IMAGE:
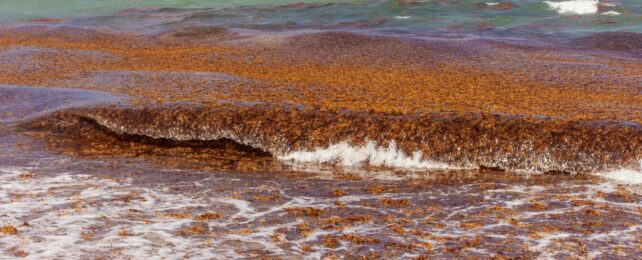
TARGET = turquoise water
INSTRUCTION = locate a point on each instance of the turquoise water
(29, 9)
(525, 15)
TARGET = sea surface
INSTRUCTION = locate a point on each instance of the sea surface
(407, 129)
(499, 17)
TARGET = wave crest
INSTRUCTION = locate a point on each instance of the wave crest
(580, 7)
(369, 153)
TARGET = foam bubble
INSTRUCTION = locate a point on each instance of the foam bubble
(347, 155)
(580, 7)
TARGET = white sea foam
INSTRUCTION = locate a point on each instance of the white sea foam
(625, 176)
(57, 229)
(611, 13)
(580, 7)
(402, 17)
(61, 209)
(348, 155)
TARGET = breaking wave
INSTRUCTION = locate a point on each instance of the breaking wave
(352, 138)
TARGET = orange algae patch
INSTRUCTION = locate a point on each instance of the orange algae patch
(398, 246)
(376, 189)
(178, 215)
(26, 175)
(132, 196)
(18, 252)
(124, 232)
(307, 212)
(470, 225)
(8, 230)
(335, 220)
(340, 223)
(359, 240)
(394, 202)
(592, 212)
(87, 235)
(244, 231)
(337, 193)
(540, 231)
(471, 242)
(304, 229)
(208, 216)
(498, 211)
(265, 198)
(276, 237)
(397, 229)
(195, 229)
(538, 206)
(330, 241)
(515, 223)
(306, 248)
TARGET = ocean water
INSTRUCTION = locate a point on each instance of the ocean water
(493, 17)
(320, 129)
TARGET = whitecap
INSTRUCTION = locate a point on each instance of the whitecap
(611, 13)
(580, 7)
(625, 176)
